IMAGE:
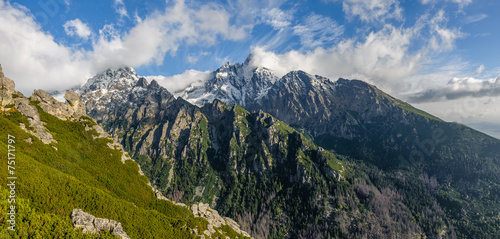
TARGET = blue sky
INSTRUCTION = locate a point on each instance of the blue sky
(440, 55)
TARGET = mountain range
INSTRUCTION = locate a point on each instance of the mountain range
(246, 153)
(303, 156)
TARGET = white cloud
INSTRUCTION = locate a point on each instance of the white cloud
(317, 30)
(35, 60)
(461, 3)
(382, 58)
(443, 39)
(32, 58)
(277, 18)
(120, 8)
(480, 69)
(464, 110)
(159, 33)
(67, 3)
(194, 58)
(475, 18)
(77, 28)
(373, 10)
(460, 88)
(181, 81)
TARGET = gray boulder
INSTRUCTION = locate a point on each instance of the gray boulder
(91, 224)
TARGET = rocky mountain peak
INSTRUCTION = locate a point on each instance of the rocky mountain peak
(142, 82)
(154, 85)
(112, 79)
(232, 84)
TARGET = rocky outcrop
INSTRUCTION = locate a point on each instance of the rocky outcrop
(6, 89)
(75, 102)
(91, 224)
(36, 126)
(73, 110)
(214, 219)
(48, 104)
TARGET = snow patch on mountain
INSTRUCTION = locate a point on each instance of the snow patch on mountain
(111, 79)
(232, 83)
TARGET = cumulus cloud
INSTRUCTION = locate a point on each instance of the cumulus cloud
(34, 59)
(181, 81)
(382, 57)
(317, 30)
(31, 57)
(165, 32)
(459, 88)
(77, 28)
(373, 10)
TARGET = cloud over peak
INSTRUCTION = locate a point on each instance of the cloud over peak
(459, 88)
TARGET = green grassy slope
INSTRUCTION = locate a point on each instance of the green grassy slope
(81, 173)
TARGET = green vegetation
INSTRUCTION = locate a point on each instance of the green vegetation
(410, 108)
(34, 224)
(82, 173)
(276, 182)
(405, 106)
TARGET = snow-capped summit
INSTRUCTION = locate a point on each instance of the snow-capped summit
(232, 84)
(111, 79)
(121, 90)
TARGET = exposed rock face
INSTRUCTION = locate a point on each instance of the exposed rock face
(214, 219)
(6, 89)
(74, 110)
(30, 111)
(91, 224)
(51, 106)
(75, 102)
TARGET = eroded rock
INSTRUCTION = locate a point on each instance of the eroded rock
(36, 126)
(74, 110)
(214, 219)
(6, 89)
(91, 224)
